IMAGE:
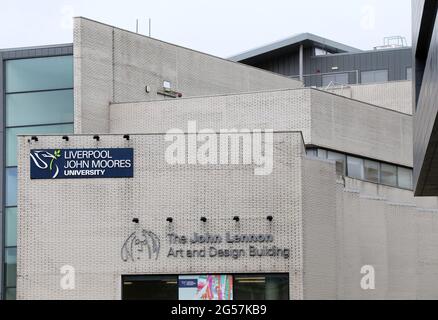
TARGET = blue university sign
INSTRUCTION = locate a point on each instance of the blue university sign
(81, 163)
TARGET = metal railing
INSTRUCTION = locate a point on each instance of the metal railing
(316, 79)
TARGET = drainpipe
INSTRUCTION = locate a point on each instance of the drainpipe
(302, 63)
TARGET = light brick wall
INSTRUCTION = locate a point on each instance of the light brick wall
(361, 129)
(392, 231)
(332, 229)
(114, 65)
(326, 120)
(319, 230)
(394, 95)
(84, 222)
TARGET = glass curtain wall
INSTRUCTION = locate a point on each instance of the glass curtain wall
(38, 100)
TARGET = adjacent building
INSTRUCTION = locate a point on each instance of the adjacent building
(194, 177)
(425, 98)
(381, 76)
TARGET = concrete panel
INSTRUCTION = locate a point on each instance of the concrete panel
(395, 96)
(319, 230)
(89, 219)
(361, 129)
(325, 119)
(113, 65)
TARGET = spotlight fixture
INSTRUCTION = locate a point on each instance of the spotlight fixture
(65, 138)
(170, 220)
(204, 219)
(236, 218)
(126, 137)
(97, 138)
(270, 218)
(34, 138)
(135, 220)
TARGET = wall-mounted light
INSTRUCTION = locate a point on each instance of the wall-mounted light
(204, 219)
(135, 220)
(97, 138)
(236, 218)
(270, 218)
(167, 86)
(170, 220)
(65, 138)
(147, 89)
(34, 138)
(126, 137)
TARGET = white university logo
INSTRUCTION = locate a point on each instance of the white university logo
(44, 160)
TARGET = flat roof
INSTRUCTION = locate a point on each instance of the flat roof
(38, 47)
(293, 41)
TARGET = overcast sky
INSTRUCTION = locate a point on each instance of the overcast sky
(219, 27)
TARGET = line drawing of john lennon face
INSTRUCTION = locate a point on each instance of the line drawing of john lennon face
(137, 246)
(44, 160)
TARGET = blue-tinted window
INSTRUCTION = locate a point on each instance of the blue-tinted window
(33, 108)
(39, 74)
(11, 267)
(11, 187)
(11, 138)
(11, 227)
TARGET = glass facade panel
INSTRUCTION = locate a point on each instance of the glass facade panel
(322, 153)
(261, 287)
(11, 267)
(11, 227)
(34, 108)
(11, 294)
(312, 152)
(375, 76)
(388, 174)
(371, 171)
(11, 138)
(404, 178)
(24, 75)
(11, 187)
(355, 167)
(338, 157)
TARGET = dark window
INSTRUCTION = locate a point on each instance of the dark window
(205, 287)
(261, 287)
(150, 288)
